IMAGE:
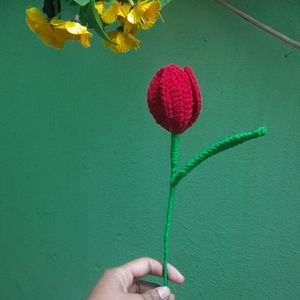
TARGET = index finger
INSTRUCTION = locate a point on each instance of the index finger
(148, 266)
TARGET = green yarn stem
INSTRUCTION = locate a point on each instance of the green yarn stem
(175, 141)
(216, 148)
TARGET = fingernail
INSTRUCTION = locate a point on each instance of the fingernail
(180, 275)
(164, 292)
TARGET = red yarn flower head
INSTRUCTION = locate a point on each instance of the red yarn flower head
(174, 98)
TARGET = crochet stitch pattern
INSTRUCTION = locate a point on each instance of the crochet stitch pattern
(174, 98)
(175, 101)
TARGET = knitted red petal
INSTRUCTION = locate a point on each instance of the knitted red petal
(174, 98)
(196, 95)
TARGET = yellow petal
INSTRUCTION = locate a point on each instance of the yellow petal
(35, 19)
(126, 8)
(130, 28)
(144, 14)
(56, 32)
(127, 26)
(62, 35)
(100, 7)
(110, 15)
(85, 42)
(77, 28)
(70, 30)
(137, 12)
(124, 11)
(50, 40)
(42, 27)
(151, 15)
(35, 16)
(122, 42)
(58, 23)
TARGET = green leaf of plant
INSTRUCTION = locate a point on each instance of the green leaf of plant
(71, 2)
(82, 2)
(89, 16)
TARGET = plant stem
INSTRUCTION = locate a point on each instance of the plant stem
(175, 141)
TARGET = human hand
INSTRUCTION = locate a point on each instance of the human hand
(124, 282)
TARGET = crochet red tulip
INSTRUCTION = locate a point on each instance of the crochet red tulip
(174, 98)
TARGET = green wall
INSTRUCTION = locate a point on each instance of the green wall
(84, 169)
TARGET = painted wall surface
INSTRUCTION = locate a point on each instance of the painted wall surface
(84, 169)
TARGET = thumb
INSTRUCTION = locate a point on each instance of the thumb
(160, 293)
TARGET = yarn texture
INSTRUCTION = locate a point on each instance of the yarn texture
(214, 149)
(174, 98)
(175, 140)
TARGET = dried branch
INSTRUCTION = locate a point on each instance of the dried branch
(261, 25)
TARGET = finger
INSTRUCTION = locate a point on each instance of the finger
(148, 266)
(142, 286)
(160, 293)
(172, 297)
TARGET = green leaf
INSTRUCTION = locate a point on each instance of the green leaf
(71, 2)
(216, 148)
(89, 16)
(82, 2)
(164, 2)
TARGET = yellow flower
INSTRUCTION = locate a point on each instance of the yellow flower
(121, 41)
(116, 10)
(56, 32)
(38, 24)
(144, 13)
(72, 31)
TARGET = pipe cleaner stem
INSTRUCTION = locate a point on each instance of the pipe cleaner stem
(216, 148)
(175, 141)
